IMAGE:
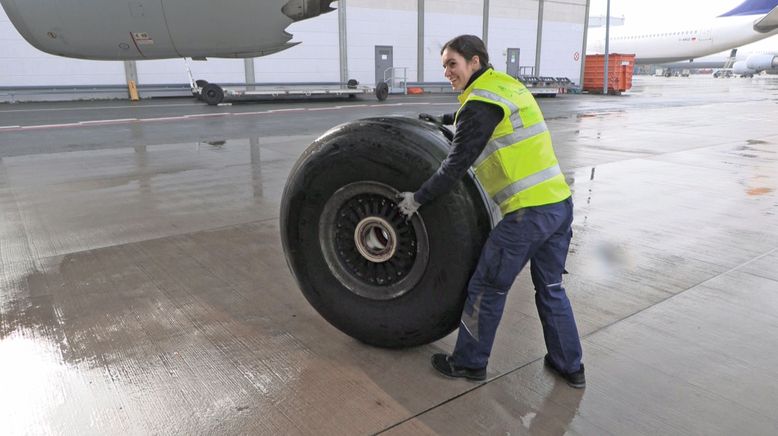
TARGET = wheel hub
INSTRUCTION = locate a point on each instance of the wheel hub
(369, 245)
(375, 239)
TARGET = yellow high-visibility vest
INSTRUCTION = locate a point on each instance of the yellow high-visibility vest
(518, 167)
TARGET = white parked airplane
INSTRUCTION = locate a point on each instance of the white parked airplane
(761, 56)
(751, 21)
(159, 29)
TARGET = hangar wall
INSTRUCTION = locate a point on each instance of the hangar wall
(23, 65)
(512, 24)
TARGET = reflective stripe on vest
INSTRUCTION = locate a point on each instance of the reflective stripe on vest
(531, 180)
(520, 134)
(515, 117)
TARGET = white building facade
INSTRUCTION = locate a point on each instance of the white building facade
(411, 32)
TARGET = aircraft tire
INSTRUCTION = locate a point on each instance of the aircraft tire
(212, 94)
(381, 279)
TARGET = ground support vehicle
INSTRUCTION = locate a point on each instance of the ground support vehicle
(214, 94)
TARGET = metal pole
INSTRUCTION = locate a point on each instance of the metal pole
(420, 42)
(343, 41)
(539, 43)
(130, 71)
(607, 48)
(131, 76)
(583, 48)
(485, 31)
(251, 80)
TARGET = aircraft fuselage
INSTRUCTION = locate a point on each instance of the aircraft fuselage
(159, 29)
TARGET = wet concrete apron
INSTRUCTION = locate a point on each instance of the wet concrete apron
(143, 288)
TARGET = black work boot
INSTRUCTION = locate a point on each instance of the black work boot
(441, 363)
(574, 379)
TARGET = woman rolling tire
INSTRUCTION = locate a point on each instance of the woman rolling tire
(371, 274)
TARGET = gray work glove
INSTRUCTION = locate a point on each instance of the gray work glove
(431, 118)
(407, 205)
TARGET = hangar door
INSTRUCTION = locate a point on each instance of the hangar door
(513, 62)
(383, 61)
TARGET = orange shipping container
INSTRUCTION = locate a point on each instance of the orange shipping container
(620, 67)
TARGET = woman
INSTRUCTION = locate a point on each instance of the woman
(500, 132)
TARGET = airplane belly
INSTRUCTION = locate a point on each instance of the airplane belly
(93, 29)
(227, 28)
(158, 29)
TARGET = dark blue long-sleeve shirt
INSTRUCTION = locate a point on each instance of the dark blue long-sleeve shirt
(475, 125)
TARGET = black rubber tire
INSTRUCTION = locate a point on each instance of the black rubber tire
(398, 154)
(352, 83)
(212, 94)
(201, 83)
(382, 91)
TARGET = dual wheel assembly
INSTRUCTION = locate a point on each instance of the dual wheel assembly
(381, 278)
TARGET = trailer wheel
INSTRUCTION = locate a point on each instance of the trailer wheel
(352, 84)
(382, 91)
(212, 94)
(375, 276)
(201, 83)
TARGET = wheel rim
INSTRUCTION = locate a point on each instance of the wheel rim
(368, 244)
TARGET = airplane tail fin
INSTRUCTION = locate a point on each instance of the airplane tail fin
(752, 7)
(768, 23)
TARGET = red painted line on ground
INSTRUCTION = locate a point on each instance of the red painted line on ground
(196, 116)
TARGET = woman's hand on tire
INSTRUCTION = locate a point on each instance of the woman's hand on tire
(408, 204)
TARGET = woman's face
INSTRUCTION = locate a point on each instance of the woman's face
(456, 69)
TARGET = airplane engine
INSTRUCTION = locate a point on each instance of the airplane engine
(762, 62)
(740, 68)
(158, 29)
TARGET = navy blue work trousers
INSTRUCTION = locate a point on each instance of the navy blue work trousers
(540, 235)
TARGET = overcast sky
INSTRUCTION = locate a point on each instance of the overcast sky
(642, 13)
